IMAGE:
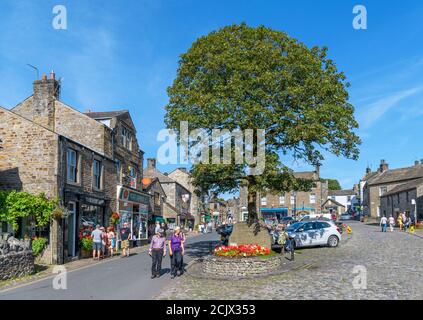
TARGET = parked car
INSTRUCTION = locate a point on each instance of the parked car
(314, 233)
(345, 216)
(286, 220)
(327, 216)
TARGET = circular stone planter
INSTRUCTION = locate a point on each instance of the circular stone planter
(225, 267)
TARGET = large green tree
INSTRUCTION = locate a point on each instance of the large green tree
(241, 77)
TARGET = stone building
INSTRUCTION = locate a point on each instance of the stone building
(348, 199)
(132, 203)
(383, 181)
(50, 147)
(406, 197)
(158, 199)
(218, 209)
(290, 203)
(182, 176)
(177, 207)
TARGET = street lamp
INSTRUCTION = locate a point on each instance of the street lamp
(414, 202)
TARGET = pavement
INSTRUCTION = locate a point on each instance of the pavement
(370, 265)
(115, 278)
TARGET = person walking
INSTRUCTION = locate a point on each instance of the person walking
(176, 252)
(383, 223)
(104, 242)
(164, 228)
(399, 222)
(157, 251)
(391, 223)
(112, 240)
(404, 221)
(125, 234)
(97, 238)
(157, 227)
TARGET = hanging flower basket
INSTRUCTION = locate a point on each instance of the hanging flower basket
(60, 213)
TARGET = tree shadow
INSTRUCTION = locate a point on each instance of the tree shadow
(200, 249)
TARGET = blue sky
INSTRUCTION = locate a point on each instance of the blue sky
(124, 54)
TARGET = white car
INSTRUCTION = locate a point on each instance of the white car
(315, 216)
(314, 233)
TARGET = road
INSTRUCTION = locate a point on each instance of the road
(126, 278)
(384, 265)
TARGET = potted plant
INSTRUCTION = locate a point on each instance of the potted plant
(59, 213)
(86, 243)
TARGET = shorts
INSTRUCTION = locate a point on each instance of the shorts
(125, 244)
(97, 246)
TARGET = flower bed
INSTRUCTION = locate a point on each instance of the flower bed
(242, 250)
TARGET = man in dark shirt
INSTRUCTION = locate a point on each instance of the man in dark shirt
(125, 234)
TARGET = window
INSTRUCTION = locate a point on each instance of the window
(126, 138)
(322, 225)
(281, 199)
(407, 196)
(133, 177)
(292, 199)
(96, 174)
(4, 227)
(349, 198)
(119, 171)
(398, 198)
(263, 201)
(157, 198)
(333, 197)
(382, 191)
(72, 166)
(312, 198)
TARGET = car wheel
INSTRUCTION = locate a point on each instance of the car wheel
(333, 241)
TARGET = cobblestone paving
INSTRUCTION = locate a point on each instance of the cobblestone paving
(394, 263)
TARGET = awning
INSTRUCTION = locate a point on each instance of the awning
(158, 218)
(265, 210)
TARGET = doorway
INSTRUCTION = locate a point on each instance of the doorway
(72, 229)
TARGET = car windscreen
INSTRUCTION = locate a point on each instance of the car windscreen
(294, 226)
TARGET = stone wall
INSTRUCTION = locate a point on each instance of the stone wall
(16, 259)
(28, 158)
(15, 265)
(240, 267)
(79, 127)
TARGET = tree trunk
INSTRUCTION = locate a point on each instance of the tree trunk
(252, 202)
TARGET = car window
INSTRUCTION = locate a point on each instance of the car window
(309, 226)
(294, 226)
(322, 225)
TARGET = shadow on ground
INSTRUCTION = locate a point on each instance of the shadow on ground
(200, 249)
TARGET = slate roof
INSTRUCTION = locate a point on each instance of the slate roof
(334, 202)
(107, 114)
(309, 175)
(400, 174)
(404, 187)
(151, 173)
(341, 192)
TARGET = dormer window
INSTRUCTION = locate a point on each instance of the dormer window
(126, 138)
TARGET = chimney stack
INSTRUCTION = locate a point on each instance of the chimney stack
(45, 92)
(383, 166)
(416, 163)
(52, 75)
(151, 164)
(368, 170)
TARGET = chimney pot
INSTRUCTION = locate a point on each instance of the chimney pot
(44, 77)
(52, 75)
(151, 163)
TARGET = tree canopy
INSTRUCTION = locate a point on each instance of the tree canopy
(240, 77)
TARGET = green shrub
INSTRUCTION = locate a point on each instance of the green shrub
(38, 245)
(87, 243)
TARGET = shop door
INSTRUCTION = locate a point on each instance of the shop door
(72, 229)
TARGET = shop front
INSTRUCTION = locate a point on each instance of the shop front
(133, 209)
(84, 213)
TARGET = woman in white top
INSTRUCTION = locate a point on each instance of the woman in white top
(391, 223)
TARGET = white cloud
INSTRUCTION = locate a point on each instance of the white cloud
(373, 112)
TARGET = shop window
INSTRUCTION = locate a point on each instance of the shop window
(97, 174)
(72, 166)
(133, 177)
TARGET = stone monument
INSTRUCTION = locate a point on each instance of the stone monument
(254, 234)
